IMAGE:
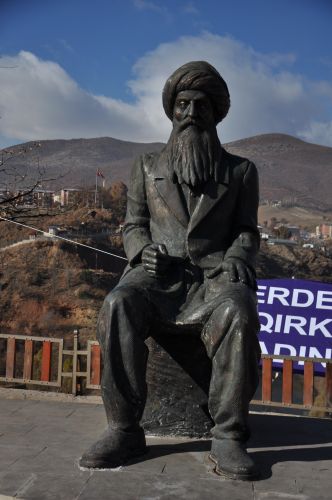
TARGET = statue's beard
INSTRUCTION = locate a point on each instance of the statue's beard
(193, 155)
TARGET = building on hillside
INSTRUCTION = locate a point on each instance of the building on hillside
(294, 231)
(264, 232)
(324, 230)
(54, 231)
(69, 196)
(34, 198)
(43, 198)
(305, 235)
(287, 231)
(4, 194)
(72, 196)
(281, 241)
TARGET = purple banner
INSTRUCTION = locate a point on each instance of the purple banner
(296, 319)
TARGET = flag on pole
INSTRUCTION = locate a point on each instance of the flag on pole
(99, 173)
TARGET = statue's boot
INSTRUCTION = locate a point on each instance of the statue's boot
(114, 448)
(232, 460)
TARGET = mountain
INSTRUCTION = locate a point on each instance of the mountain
(290, 170)
(74, 162)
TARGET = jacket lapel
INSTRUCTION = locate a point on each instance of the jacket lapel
(169, 192)
(213, 193)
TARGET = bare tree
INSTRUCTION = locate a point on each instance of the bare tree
(21, 174)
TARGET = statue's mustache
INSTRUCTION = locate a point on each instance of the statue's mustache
(187, 122)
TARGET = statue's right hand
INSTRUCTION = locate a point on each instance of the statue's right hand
(155, 260)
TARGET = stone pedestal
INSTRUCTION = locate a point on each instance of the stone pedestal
(178, 377)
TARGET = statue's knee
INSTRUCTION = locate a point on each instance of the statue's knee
(111, 304)
(117, 297)
(120, 304)
(239, 312)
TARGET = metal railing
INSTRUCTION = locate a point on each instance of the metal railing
(51, 370)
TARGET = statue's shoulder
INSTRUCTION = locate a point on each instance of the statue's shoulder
(149, 160)
(235, 160)
(238, 164)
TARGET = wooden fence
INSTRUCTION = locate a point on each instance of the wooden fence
(51, 354)
(50, 370)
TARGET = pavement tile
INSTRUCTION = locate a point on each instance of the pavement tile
(316, 485)
(11, 482)
(55, 486)
(123, 484)
(147, 464)
(46, 461)
(11, 406)
(183, 464)
(275, 495)
(16, 428)
(10, 454)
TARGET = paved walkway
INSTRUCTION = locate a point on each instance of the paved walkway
(40, 442)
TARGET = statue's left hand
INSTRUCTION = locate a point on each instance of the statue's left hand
(237, 270)
(155, 260)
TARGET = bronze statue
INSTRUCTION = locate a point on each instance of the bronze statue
(191, 239)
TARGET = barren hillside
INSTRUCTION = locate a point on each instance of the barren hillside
(290, 169)
(50, 288)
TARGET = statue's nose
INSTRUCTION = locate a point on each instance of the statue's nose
(192, 109)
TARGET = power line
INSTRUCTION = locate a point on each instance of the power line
(73, 242)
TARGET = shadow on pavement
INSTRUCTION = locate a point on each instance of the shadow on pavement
(266, 459)
(268, 431)
(277, 430)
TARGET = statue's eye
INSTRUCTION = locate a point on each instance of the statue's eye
(182, 104)
(203, 105)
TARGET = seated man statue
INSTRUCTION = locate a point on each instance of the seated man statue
(191, 239)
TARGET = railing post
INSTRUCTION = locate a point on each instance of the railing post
(287, 382)
(328, 385)
(46, 361)
(266, 380)
(28, 359)
(308, 383)
(95, 364)
(10, 357)
(75, 349)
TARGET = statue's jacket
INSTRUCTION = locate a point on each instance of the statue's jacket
(223, 225)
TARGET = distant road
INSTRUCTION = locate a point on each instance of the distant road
(23, 242)
(39, 238)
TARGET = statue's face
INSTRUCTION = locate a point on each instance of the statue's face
(193, 107)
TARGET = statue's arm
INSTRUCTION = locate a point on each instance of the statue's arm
(136, 232)
(246, 240)
(239, 259)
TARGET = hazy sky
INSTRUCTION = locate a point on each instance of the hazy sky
(90, 68)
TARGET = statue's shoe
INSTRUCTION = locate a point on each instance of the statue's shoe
(113, 449)
(232, 460)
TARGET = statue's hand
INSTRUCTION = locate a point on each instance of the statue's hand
(237, 271)
(155, 260)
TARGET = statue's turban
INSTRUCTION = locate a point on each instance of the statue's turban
(197, 75)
